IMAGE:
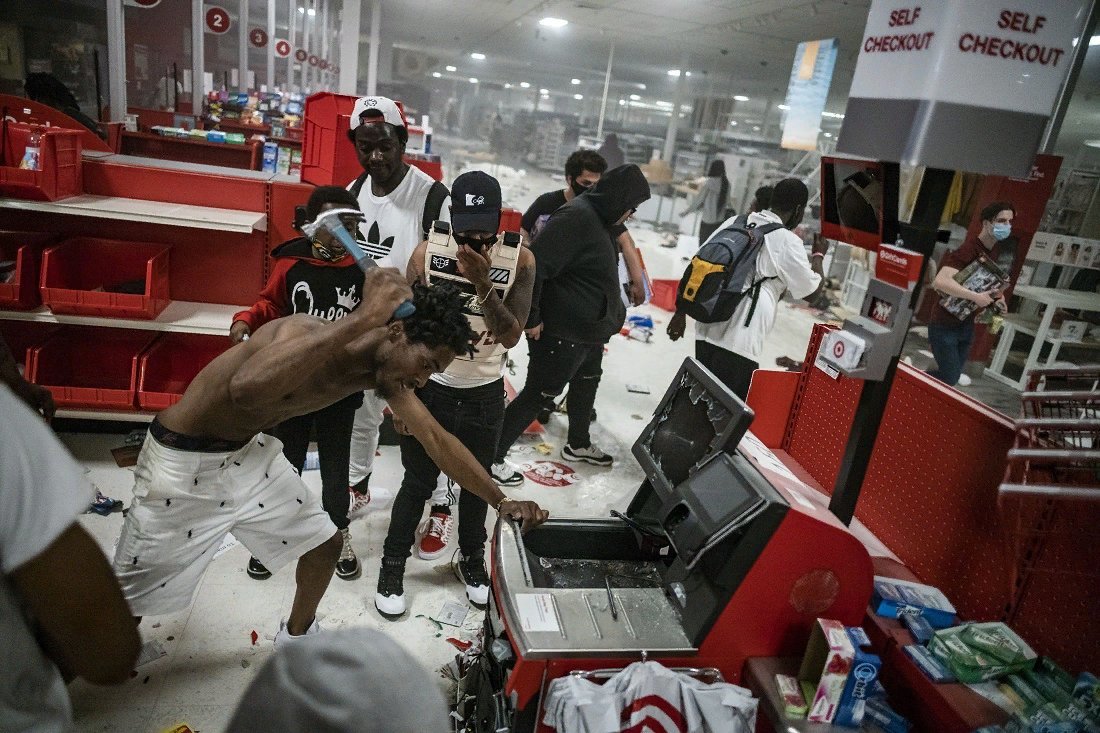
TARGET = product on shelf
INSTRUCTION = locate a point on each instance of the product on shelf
(892, 595)
(861, 679)
(794, 702)
(971, 663)
(824, 669)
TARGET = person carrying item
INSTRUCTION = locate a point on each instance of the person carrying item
(949, 336)
(207, 468)
(399, 202)
(712, 200)
(578, 311)
(731, 348)
(496, 278)
(63, 613)
(320, 278)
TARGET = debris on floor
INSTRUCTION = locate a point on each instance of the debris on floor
(150, 652)
(452, 613)
(637, 388)
(255, 637)
(544, 448)
(104, 505)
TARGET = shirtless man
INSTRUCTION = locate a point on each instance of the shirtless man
(208, 469)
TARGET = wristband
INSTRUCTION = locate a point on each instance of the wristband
(497, 507)
(817, 254)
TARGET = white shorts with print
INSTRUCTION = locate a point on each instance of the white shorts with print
(186, 502)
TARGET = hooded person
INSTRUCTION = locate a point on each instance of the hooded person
(575, 310)
(350, 680)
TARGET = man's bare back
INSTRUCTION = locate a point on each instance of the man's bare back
(289, 367)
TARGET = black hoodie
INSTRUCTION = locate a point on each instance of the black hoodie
(577, 265)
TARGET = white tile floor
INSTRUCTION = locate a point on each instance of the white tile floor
(210, 653)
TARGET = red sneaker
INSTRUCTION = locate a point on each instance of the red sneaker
(359, 504)
(434, 542)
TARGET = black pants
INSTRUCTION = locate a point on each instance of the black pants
(472, 415)
(333, 428)
(555, 363)
(733, 370)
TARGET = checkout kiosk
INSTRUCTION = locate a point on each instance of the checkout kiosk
(719, 557)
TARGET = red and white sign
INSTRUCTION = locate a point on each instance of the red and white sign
(838, 349)
(897, 266)
(282, 48)
(141, 3)
(313, 60)
(217, 20)
(300, 54)
(257, 37)
(549, 473)
(323, 64)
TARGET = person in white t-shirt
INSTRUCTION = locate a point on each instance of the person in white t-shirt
(731, 349)
(62, 613)
(399, 203)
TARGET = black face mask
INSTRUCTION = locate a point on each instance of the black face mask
(475, 244)
(578, 188)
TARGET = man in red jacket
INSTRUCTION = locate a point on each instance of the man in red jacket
(320, 278)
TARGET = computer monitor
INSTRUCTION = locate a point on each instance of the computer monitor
(859, 201)
(697, 417)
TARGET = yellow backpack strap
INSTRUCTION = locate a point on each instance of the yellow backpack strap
(699, 270)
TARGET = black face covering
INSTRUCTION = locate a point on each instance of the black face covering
(475, 244)
(578, 188)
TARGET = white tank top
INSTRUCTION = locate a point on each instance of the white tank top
(441, 264)
(393, 226)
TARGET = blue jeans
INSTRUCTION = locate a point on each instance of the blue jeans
(474, 416)
(950, 345)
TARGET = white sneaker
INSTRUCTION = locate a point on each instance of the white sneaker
(390, 596)
(964, 381)
(505, 475)
(359, 504)
(472, 572)
(284, 637)
(591, 454)
(436, 537)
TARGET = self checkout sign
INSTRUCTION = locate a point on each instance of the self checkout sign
(282, 48)
(959, 85)
(217, 20)
(258, 37)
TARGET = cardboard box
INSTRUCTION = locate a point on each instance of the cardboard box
(890, 595)
(861, 680)
(825, 668)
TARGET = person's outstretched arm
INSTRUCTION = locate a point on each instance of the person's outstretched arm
(456, 461)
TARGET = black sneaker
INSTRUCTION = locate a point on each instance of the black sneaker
(256, 570)
(472, 571)
(347, 567)
(390, 597)
(589, 454)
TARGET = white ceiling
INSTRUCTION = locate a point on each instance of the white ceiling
(732, 46)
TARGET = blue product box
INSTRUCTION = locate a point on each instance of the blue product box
(215, 136)
(861, 681)
(932, 668)
(271, 157)
(885, 717)
(891, 595)
(918, 626)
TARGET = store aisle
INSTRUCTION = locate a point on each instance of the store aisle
(211, 652)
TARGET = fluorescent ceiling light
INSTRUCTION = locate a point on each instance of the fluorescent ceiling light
(733, 122)
(667, 105)
(452, 68)
(311, 12)
(525, 85)
(676, 72)
(473, 80)
(740, 98)
(575, 82)
(756, 128)
(507, 86)
(477, 55)
(642, 87)
(436, 74)
(553, 22)
(578, 97)
(302, 11)
(833, 115)
(544, 91)
(622, 102)
(635, 97)
(783, 106)
(828, 134)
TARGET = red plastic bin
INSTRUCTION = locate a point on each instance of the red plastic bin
(92, 368)
(77, 273)
(23, 336)
(664, 294)
(20, 292)
(169, 365)
(60, 173)
(328, 156)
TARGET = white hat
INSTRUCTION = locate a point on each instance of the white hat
(391, 113)
(349, 680)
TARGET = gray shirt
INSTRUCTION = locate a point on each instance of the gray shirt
(708, 200)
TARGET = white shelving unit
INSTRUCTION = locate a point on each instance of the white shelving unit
(180, 316)
(152, 212)
(120, 415)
